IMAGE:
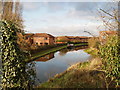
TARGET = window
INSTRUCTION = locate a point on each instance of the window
(46, 43)
(41, 43)
(46, 38)
(36, 43)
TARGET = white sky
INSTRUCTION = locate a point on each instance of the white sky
(63, 18)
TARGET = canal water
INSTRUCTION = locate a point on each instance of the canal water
(55, 63)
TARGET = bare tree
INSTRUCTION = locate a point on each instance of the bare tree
(12, 11)
(110, 18)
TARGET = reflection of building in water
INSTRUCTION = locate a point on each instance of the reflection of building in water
(81, 47)
(46, 57)
(64, 51)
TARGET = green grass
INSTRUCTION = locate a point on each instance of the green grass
(45, 52)
(92, 51)
(80, 75)
(80, 44)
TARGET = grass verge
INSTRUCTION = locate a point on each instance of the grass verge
(92, 51)
(48, 51)
(45, 52)
(80, 75)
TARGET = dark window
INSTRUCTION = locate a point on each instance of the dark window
(36, 43)
(46, 43)
(46, 38)
(41, 43)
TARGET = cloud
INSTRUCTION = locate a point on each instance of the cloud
(68, 0)
(64, 20)
(30, 6)
(71, 30)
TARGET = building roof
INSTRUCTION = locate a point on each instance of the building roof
(72, 37)
(43, 35)
(108, 32)
(29, 34)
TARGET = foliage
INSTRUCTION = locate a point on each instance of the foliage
(80, 75)
(12, 11)
(93, 42)
(109, 52)
(13, 64)
(92, 51)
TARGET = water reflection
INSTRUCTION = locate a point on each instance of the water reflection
(61, 53)
(46, 57)
(64, 51)
(58, 62)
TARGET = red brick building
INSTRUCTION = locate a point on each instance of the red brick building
(42, 39)
(71, 39)
(104, 34)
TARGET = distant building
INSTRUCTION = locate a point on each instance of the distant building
(78, 39)
(104, 34)
(64, 39)
(42, 39)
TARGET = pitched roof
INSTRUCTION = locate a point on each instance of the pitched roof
(29, 34)
(43, 35)
(109, 32)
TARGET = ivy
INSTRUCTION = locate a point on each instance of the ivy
(109, 52)
(13, 59)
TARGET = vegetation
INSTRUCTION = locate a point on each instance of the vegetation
(14, 74)
(101, 72)
(92, 51)
(105, 72)
(109, 53)
(98, 73)
(44, 52)
(13, 63)
(80, 44)
(93, 42)
(80, 75)
(46, 47)
(109, 48)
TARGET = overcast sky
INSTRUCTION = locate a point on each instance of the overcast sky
(63, 18)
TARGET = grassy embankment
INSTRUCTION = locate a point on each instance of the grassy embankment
(45, 52)
(92, 51)
(81, 75)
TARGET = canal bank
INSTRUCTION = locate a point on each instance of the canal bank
(81, 75)
(51, 50)
(72, 68)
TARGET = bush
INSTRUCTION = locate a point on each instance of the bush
(111, 58)
(13, 64)
(93, 42)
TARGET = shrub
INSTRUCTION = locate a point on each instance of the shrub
(13, 64)
(109, 52)
(93, 42)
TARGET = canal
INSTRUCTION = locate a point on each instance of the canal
(55, 63)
